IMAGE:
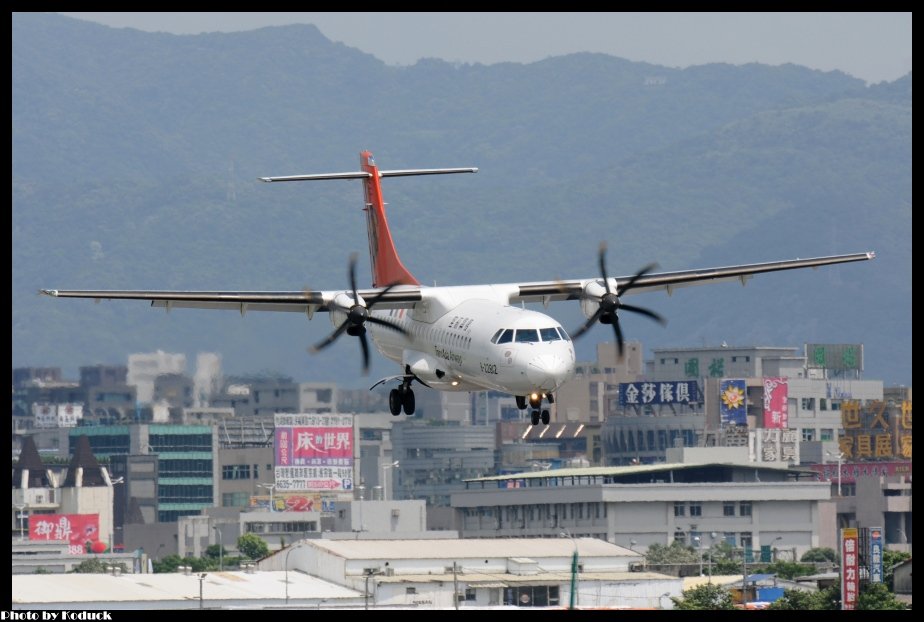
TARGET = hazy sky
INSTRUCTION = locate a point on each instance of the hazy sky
(872, 46)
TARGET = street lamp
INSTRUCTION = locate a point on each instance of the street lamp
(385, 467)
(699, 547)
(840, 460)
(201, 579)
(286, 564)
(362, 496)
(221, 547)
(773, 548)
(114, 483)
(370, 572)
(573, 602)
(21, 507)
(271, 488)
(712, 535)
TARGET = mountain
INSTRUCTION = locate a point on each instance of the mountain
(135, 157)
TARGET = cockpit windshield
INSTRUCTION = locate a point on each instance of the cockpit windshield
(530, 335)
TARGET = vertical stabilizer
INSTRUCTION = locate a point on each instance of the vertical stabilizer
(386, 265)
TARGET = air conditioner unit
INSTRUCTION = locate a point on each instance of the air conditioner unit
(395, 513)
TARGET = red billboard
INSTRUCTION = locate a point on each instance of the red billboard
(314, 452)
(76, 529)
(850, 568)
(776, 397)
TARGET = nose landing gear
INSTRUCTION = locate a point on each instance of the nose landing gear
(535, 402)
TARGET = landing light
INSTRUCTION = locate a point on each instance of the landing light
(454, 383)
(534, 396)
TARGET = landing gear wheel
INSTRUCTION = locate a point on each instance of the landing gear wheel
(545, 417)
(394, 402)
(408, 402)
(535, 417)
(521, 402)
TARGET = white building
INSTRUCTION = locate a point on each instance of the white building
(747, 505)
(515, 572)
(145, 367)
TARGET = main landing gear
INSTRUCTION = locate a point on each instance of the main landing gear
(402, 398)
(535, 402)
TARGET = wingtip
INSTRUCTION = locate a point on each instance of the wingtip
(871, 254)
(49, 292)
(265, 179)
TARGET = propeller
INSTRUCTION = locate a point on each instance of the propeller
(609, 303)
(357, 314)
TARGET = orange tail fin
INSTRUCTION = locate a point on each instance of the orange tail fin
(387, 268)
(386, 265)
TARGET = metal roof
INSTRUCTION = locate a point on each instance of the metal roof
(172, 587)
(484, 548)
(503, 579)
(615, 471)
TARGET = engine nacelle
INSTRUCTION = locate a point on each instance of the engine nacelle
(593, 291)
(342, 300)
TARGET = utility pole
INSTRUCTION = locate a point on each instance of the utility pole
(455, 586)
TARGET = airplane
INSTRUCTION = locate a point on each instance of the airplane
(457, 338)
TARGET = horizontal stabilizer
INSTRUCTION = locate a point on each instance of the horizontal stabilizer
(364, 175)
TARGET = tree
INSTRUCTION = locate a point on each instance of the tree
(705, 596)
(95, 566)
(786, 569)
(170, 563)
(676, 553)
(878, 596)
(890, 559)
(795, 600)
(252, 546)
(216, 551)
(819, 554)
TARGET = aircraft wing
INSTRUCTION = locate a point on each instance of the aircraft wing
(404, 296)
(546, 291)
(298, 301)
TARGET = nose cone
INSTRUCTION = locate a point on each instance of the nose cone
(548, 372)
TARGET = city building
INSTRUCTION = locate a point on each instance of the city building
(187, 468)
(479, 573)
(747, 505)
(435, 459)
(144, 368)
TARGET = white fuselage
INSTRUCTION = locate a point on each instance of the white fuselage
(469, 339)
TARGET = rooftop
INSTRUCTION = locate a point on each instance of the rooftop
(474, 548)
(168, 589)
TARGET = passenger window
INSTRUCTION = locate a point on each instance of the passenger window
(549, 334)
(527, 335)
(506, 337)
(496, 335)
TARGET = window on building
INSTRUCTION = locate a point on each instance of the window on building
(410, 591)
(680, 509)
(730, 538)
(235, 471)
(822, 404)
(747, 540)
(744, 508)
(728, 508)
(827, 434)
(808, 403)
(808, 434)
(469, 593)
(696, 509)
(680, 537)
